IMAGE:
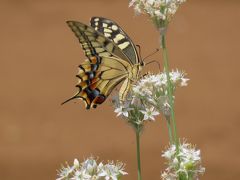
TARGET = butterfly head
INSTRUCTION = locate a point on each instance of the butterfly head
(141, 60)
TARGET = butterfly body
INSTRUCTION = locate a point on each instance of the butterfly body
(111, 59)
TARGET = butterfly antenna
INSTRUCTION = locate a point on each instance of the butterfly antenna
(154, 61)
(154, 52)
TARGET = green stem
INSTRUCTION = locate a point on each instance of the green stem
(169, 129)
(169, 89)
(138, 153)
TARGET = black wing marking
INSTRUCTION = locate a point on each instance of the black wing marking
(115, 33)
(94, 43)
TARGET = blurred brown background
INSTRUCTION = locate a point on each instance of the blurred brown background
(39, 56)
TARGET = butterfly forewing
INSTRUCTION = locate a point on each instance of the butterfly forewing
(115, 33)
(94, 43)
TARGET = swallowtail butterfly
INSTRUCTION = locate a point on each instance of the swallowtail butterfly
(112, 59)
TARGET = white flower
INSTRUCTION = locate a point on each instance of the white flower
(187, 161)
(167, 175)
(169, 153)
(177, 77)
(64, 172)
(90, 166)
(152, 91)
(91, 170)
(76, 163)
(121, 110)
(150, 113)
(157, 9)
(150, 82)
(130, 109)
(184, 81)
(111, 171)
(81, 175)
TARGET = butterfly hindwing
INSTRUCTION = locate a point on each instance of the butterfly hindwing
(96, 81)
(115, 33)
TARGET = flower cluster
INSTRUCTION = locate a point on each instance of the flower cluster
(158, 10)
(133, 111)
(186, 163)
(148, 98)
(152, 90)
(90, 170)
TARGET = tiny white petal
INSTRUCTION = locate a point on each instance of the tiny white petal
(76, 163)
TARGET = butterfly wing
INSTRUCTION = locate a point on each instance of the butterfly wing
(104, 69)
(94, 43)
(115, 33)
(96, 81)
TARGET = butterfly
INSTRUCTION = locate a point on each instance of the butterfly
(112, 59)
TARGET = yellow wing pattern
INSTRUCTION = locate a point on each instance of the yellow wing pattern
(115, 33)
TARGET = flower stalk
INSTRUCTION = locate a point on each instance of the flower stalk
(169, 129)
(138, 153)
(169, 90)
